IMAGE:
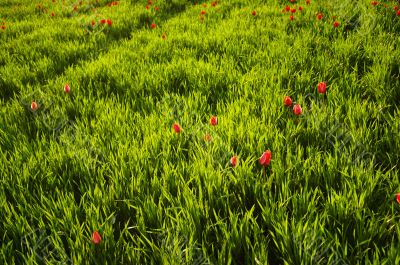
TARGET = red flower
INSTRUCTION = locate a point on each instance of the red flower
(52, 14)
(176, 127)
(153, 25)
(374, 3)
(287, 101)
(109, 22)
(398, 198)
(213, 120)
(93, 23)
(336, 24)
(287, 8)
(293, 10)
(67, 88)
(3, 27)
(308, 2)
(291, 18)
(300, 8)
(320, 16)
(395, 8)
(203, 12)
(254, 13)
(322, 87)
(149, 2)
(147, 7)
(398, 13)
(265, 159)
(157, 8)
(34, 105)
(213, 4)
(233, 161)
(297, 110)
(96, 238)
(103, 21)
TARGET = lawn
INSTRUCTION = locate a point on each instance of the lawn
(199, 132)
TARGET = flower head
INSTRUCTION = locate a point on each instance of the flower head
(320, 16)
(153, 25)
(34, 105)
(213, 120)
(67, 88)
(265, 158)
(233, 161)
(96, 238)
(336, 24)
(254, 13)
(322, 87)
(287, 101)
(374, 3)
(297, 110)
(291, 18)
(398, 198)
(109, 22)
(176, 127)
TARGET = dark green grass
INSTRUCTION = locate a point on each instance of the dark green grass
(105, 157)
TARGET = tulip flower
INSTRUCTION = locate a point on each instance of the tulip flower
(96, 238)
(265, 159)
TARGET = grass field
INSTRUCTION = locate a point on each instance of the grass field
(141, 133)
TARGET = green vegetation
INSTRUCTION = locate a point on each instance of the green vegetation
(105, 158)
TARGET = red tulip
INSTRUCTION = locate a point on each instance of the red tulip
(320, 16)
(374, 3)
(287, 101)
(398, 198)
(96, 238)
(34, 105)
(265, 159)
(336, 24)
(291, 18)
(297, 110)
(254, 13)
(233, 161)
(177, 127)
(67, 88)
(213, 120)
(322, 87)
(153, 25)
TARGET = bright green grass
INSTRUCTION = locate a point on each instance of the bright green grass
(105, 157)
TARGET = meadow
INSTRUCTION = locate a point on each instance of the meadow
(199, 132)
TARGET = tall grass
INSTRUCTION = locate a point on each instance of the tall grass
(105, 158)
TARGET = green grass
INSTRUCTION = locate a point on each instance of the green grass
(105, 158)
